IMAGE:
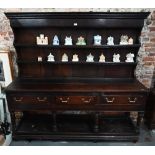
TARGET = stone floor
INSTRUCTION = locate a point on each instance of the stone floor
(147, 138)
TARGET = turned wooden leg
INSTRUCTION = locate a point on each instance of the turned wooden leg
(96, 126)
(13, 121)
(54, 122)
(139, 118)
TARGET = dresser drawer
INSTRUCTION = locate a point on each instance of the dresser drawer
(30, 99)
(76, 100)
(123, 99)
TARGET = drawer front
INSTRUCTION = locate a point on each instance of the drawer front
(30, 99)
(76, 100)
(123, 99)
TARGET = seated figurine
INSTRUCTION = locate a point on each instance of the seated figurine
(64, 57)
(110, 41)
(102, 58)
(55, 40)
(124, 40)
(81, 41)
(75, 58)
(50, 57)
(130, 41)
(97, 40)
(42, 40)
(68, 41)
(129, 57)
(116, 58)
(90, 58)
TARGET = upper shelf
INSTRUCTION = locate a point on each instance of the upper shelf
(77, 46)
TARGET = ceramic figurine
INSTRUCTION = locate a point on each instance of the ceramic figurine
(55, 40)
(102, 58)
(110, 41)
(130, 41)
(124, 40)
(97, 40)
(116, 58)
(90, 58)
(64, 57)
(39, 58)
(129, 57)
(75, 58)
(42, 40)
(50, 57)
(81, 41)
(68, 41)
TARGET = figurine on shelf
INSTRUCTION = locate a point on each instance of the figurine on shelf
(90, 58)
(130, 41)
(81, 41)
(64, 57)
(129, 57)
(75, 58)
(116, 58)
(97, 40)
(102, 58)
(110, 41)
(68, 41)
(39, 59)
(55, 40)
(50, 57)
(124, 40)
(42, 40)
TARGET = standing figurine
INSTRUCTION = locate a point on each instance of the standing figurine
(68, 41)
(42, 40)
(64, 57)
(116, 58)
(55, 40)
(97, 40)
(102, 58)
(50, 57)
(81, 41)
(129, 57)
(130, 41)
(90, 58)
(75, 58)
(110, 41)
(39, 59)
(124, 40)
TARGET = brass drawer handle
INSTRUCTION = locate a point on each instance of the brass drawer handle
(132, 100)
(41, 100)
(64, 101)
(18, 99)
(86, 101)
(110, 100)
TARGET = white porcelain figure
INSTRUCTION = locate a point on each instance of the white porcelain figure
(124, 40)
(64, 57)
(90, 58)
(68, 41)
(110, 40)
(129, 57)
(50, 57)
(55, 40)
(102, 58)
(130, 41)
(116, 58)
(97, 40)
(39, 58)
(75, 58)
(81, 41)
(42, 40)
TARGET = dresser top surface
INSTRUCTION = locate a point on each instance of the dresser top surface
(76, 86)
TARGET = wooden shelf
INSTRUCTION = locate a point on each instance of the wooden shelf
(83, 62)
(77, 46)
